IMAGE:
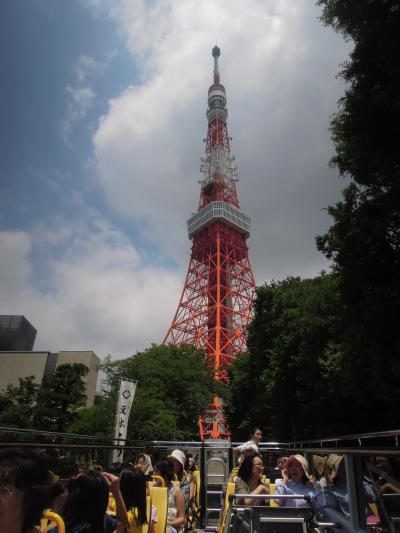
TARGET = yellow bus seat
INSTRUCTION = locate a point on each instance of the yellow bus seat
(374, 509)
(196, 475)
(272, 502)
(132, 516)
(111, 505)
(159, 498)
(233, 474)
(230, 489)
(48, 520)
(159, 480)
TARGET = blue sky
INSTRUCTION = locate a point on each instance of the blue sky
(103, 115)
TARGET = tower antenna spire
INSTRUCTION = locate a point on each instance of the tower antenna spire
(216, 52)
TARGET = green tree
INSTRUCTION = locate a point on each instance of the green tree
(96, 420)
(179, 379)
(18, 403)
(60, 396)
(364, 239)
(289, 380)
(175, 387)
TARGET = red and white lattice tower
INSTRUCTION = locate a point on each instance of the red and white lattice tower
(216, 303)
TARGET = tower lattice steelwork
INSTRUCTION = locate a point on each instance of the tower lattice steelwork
(216, 303)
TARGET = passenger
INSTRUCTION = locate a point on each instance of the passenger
(281, 463)
(178, 459)
(190, 465)
(252, 444)
(386, 473)
(176, 505)
(133, 488)
(280, 468)
(190, 468)
(25, 490)
(143, 462)
(334, 500)
(249, 479)
(296, 480)
(86, 505)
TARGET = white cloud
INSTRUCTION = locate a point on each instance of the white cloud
(278, 65)
(98, 294)
(80, 99)
(85, 67)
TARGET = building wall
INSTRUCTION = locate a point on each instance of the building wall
(14, 365)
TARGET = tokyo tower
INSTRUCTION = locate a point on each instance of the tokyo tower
(216, 302)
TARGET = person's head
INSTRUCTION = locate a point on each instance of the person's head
(143, 462)
(297, 469)
(133, 490)
(190, 465)
(25, 490)
(165, 469)
(256, 435)
(281, 462)
(251, 466)
(178, 459)
(336, 469)
(87, 500)
(115, 468)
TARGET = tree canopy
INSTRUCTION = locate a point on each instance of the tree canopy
(288, 381)
(364, 239)
(324, 354)
(175, 387)
(50, 406)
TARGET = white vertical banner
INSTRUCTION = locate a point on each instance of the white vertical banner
(126, 393)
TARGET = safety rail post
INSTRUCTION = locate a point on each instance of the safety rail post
(355, 489)
(203, 483)
(231, 463)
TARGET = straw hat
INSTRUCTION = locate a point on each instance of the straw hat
(333, 464)
(319, 463)
(300, 459)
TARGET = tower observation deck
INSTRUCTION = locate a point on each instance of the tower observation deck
(216, 304)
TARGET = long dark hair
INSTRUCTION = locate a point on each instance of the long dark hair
(29, 473)
(165, 468)
(87, 501)
(246, 465)
(133, 490)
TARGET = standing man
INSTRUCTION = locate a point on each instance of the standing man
(252, 444)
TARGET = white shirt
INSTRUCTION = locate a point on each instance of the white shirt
(250, 444)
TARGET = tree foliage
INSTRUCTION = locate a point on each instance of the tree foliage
(175, 387)
(289, 380)
(18, 403)
(51, 406)
(364, 239)
(60, 396)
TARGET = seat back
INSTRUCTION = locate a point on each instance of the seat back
(47, 518)
(159, 480)
(272, 502)
(230, 489)
(233, 473)
(196, 475)
(159, 498)
(111, 504)
(132, 516)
